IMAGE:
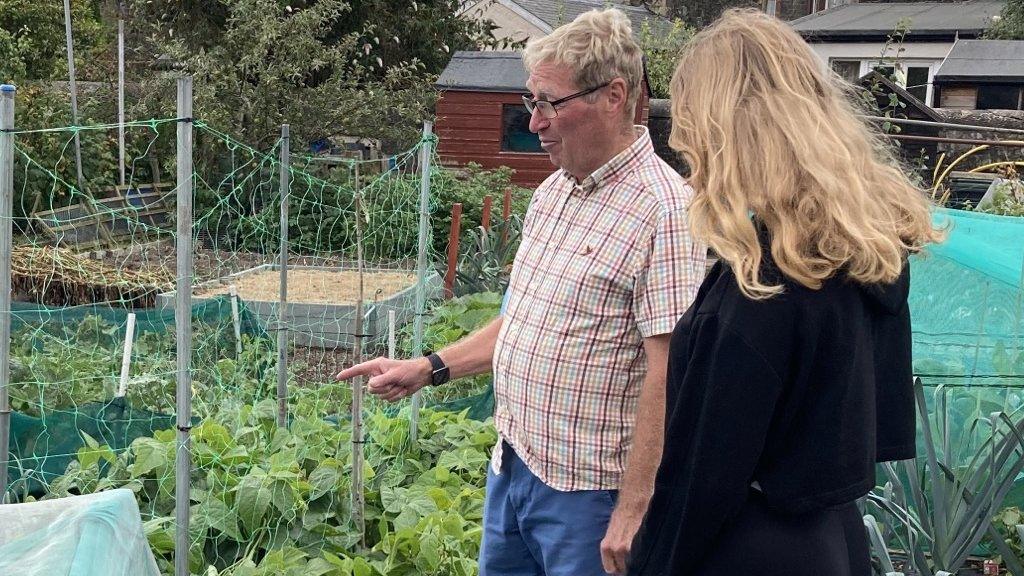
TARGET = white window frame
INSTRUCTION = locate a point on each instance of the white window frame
(832, 60)
(902, 64)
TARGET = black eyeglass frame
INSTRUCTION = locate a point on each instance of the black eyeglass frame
(531, 103)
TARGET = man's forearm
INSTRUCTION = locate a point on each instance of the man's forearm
(649, 433)
(645, 455)
(474, 353)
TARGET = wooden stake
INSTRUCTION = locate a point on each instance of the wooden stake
(453, 250)
(506, 213)
(485, 220)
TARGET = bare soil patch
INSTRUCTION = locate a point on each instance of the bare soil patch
(315, 286)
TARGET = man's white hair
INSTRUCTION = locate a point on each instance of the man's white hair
(598, 46)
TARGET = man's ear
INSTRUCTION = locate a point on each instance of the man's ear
(616, 95)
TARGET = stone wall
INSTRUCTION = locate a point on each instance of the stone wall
(991, 118)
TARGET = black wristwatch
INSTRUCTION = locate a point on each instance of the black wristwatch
(439, 373)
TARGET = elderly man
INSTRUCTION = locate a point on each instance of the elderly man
(605, 269)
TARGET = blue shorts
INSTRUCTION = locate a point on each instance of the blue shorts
(531, 529)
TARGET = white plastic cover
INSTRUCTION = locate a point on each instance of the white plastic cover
(92, 535)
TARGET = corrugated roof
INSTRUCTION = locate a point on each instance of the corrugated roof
(984, 60)
(925, 19)
(490, 71)
(556, 13)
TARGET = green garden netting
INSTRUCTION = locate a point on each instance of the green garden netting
(967, 303)
(48, 433)
(216, 310)
(967, 314)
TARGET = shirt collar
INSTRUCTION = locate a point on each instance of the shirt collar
(640, 149)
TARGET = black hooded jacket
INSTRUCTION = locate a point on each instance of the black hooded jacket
(801, 393)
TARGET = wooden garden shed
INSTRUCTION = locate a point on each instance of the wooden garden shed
(481, 117)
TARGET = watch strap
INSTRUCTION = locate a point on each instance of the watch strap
(439, 373)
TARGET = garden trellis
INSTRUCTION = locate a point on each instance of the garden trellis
(322, 254)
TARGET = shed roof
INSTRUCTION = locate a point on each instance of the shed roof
(983, 61)
(926, 20)
(490, 71)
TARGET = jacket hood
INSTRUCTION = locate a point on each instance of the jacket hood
(889, 298)
(885, 298)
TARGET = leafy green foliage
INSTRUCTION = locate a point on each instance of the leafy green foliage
(271, 66)
(1008, 200)
(485, 262)
(394, 31)
(321, 219)
(1010, 524)
(877, 97)
(267, 500)
(326, 67)
(1010, 24)
(33, 57)
(939, 508)
(32, 41)
(700, 13)
(58, 367)
(468, 186)
(662, 49)
(454, 319)
(449, 322)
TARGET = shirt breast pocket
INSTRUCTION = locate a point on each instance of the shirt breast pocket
(591, 279)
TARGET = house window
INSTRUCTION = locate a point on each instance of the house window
(848, 70)
(999, 97)
(515, 130)
(914, 77)
(917, 82)
(889, 72)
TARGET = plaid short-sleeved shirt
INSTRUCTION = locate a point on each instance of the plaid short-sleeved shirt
(603, 264)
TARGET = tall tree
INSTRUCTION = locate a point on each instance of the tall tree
(386, 32)
(1010, 24)
(32, 40)
(700, 13)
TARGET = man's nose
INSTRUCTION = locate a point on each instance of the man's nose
(537, 121)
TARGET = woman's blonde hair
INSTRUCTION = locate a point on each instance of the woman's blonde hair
(597, 46)
(766, 130)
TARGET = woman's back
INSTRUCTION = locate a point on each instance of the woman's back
(786, 403)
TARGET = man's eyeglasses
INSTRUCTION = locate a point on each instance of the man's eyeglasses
(547, 109)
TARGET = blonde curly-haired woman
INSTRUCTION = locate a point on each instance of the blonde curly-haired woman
(790, 376)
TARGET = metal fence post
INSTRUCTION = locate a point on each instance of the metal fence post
(74, 94)
(120, 96)
(183, 327)
(282, 309)
(358, 482)
(426, 154)
(6, 201)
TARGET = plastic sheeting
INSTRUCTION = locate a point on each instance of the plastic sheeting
(94, 535)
